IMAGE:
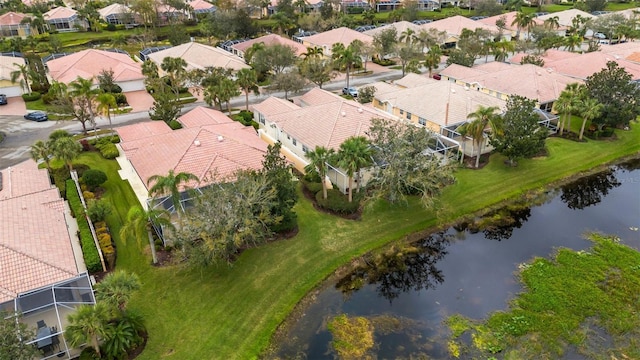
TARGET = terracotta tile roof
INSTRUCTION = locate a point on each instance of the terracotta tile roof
(327, 124)
(454, 25)
(201, 116)
(340, 35)
(35, 248)
(11, 18)
(565, 17)
(400, 26)
(200, 5)
(635, 57)
(7, 66)
(200, 56)
(271, 39)
(509, 18)
(59, 12)
(316, 96)
(89, 63)
(209, 147)
(459, 72)
(623, 50)
(113, 9)
(14, 184)
(548, 56)
(273, 106)
(383, 88)
(447, 103)
(412, 80)
(143, 130)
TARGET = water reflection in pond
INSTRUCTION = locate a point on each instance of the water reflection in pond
(463, 270)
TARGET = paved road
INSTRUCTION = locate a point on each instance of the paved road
(21, 133)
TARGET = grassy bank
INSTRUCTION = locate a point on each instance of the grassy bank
(231, 312)
(583, 302)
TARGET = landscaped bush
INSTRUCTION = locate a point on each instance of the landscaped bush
(98, 210)
(115, 139)
(337, 201)
(48, 98)
(111, 27)
(175, 125)
(93, 178)
(383, 62)
(121, 99)
(113, 89)
(313, 187)
(89, 250)
(245, 118)
(31, 97)
(107, 149)
(88, 195)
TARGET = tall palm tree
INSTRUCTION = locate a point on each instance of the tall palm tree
(41, 150)
(170, 185)
(67, 150)
(572, 42)
(589, 109)
(22, 73)
(482, 117)
(247, 80)
(432, 58)
(117, 288)
(522, 21)
(106, 102)
(353, 155)
(318, 159)
(552, 22)
(87, 325)
(312, 52)
(564, 106)
(176, 70)
(138, 226)
(83, 88)
(345, 58)
(408, 36)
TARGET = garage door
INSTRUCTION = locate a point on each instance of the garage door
(131, 85)
(11, 91)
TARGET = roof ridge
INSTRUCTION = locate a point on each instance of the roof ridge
(34, 258)
(335, 124)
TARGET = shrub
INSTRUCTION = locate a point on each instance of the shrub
(337, 202)
(115, 139)
(48, 98)
(31, 97)
(89, 353)
(60, 177)
(98, 210)
(107, 149)
(313, 187)
(114, 89)
(94, 178)
(88, 195)
(121, 99)
(85, 145)
(89, 250)
(111, 27)
(174, 125)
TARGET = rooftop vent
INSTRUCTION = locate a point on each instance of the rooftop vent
(220, 138)
(344, 113)
(196, 143)
(453, 91)
(360, 110)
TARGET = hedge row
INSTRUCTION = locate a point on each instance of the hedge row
(338, 202)
(89, 250)
(107, 149)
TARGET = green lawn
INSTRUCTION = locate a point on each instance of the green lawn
(231, 312)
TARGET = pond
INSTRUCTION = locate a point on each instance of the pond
(407, 291)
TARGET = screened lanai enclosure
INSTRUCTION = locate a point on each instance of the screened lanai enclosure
(165, 203)
(45, 311)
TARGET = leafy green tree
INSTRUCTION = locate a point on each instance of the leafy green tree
(66, 149)
(318, 70)
(289, 82)
(166, 106)
(116, 289)
(170, 185)
(98, 210)
(122, 335)
(564, 106)
(221, 92)
(318, 159)
(106, 102)
(87, 325)
(93, 178)
(12, 335)
(139, 226)
(457, 56)
(385, 41)
(480, 119)
(523, 21)
(532, 59)
(520, 135)
(613, 88)
(273, 58)
(176, 71)
(354, 154)
(277, 171)
(404, 168)
(42, 150)
(247, 80)
(85, 94)
(366, 94)
(408, 54)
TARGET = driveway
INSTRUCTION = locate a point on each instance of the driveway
(139, 100)
(15, 106)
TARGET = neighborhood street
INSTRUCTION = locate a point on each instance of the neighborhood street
(20, 134)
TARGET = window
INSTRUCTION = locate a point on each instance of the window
(408, 116)
(305, 149)
(422, 121)
(401, 112)
(261, 118)
(294, 142)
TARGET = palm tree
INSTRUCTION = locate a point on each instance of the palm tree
(345, 58)
(563, 105)
(106, 102)
(312, 52)
(117, 288)
(67, 150)
(138, 226)
(41, 150)
(247, 80)
(170, 185)
(318, 159)
(572, 42)
(482, 117)
(84, 89)
(408, 36)
(589, 109)
(432, 58)
(502, 48)
(87, 325)
(122, 334)
(176, 69)
(353, 155)
(23, 73)
(255, 48)
(552, 22)
(522, 20)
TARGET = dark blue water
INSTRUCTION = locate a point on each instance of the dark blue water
(470, 272)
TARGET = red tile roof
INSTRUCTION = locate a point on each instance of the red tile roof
(271, 39)
(200, 5)
(60, 12)
(340, 35)
(35, 247)
(11, 18)
(207, 146)
(89, 63)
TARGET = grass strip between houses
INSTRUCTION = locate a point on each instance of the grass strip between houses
(231, 312)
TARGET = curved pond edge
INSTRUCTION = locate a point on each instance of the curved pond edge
(300, 308)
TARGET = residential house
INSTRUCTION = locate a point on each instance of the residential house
(566, 17)
(210, 145)
(317, 118)
(629, 51)
(64, 19)
(454, 25)
(271, 39)
(400, 26)
(202, 7)
(90, 63)
(325, 40)
(510, 29)
(118, 14)
(200, 56)
(43, 276)
(9, 64)
(10, 25)
(581, 66)
(503, 80)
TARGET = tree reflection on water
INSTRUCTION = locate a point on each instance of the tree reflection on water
(399, 268)
(589, 190)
